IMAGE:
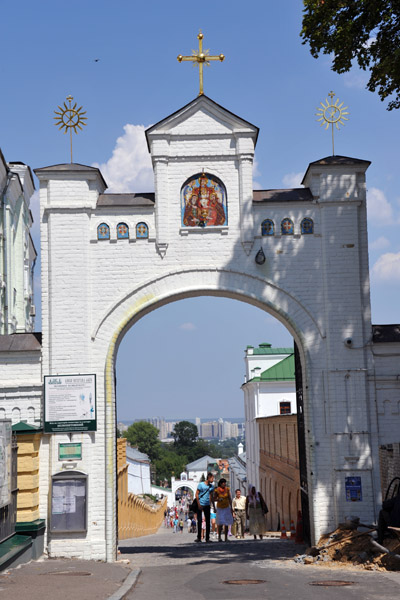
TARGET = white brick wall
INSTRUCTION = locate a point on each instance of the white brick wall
(317, 285)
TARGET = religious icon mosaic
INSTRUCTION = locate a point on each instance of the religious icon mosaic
(287, 227)
(203, 202)
(122, 231)
(142, 231)
(267, 227)
(103, 232)
(307, 226)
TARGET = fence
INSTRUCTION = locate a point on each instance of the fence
(135, 517)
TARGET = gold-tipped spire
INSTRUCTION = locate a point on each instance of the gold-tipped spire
(70, 118)
(199, 58)
(332, 114)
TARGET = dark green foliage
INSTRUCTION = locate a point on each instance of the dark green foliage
(170, 463)
(145, 436)
(366, 31)
(185, 434)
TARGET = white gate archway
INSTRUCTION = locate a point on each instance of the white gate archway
(99, 279)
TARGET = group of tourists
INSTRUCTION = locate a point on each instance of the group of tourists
(227, 512)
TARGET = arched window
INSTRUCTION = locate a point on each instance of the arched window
(103, 232)
(15, 415)
(287, 227)
(122, 231)
(267, 227)
(142, 231)
(203, 202)
(307, 226)
(31, 415)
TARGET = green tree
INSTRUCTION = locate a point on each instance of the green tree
(145, 436)
(169, 463)
(185, 434)
(367, 31)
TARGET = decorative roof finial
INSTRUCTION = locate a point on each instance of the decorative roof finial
(70, 118)
(332, 114)
(200, 58)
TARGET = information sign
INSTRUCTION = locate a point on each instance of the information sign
(353, 489)
(68, 502)
(70, 403)
(70, 451)
(5, 462)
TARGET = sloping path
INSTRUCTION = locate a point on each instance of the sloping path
(173, 567)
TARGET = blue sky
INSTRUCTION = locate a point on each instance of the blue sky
(269, 78)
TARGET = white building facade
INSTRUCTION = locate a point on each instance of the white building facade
(300, 255)
(139, 478)
(269, 390)
(17, 251)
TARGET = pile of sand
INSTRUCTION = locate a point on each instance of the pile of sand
(352, 545)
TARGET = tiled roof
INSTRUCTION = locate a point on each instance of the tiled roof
(282, 371)
(21, 342)
(201, 464)
(265, 348)
(121, 200)
(289, 195)
(134, 454)
(337, 161)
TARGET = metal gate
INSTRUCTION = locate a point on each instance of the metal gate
(301, 434)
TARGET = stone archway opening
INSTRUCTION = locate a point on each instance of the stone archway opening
(262, 322)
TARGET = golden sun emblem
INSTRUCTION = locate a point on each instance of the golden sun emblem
(69, 118)
(332, 114)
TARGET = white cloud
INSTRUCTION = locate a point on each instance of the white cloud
(292, 180)
(129, 169)
(379, 208)
(387, 268)
(188, 326)
(355, 79)
(380, 243)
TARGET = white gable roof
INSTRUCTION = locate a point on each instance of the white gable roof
(200, 117)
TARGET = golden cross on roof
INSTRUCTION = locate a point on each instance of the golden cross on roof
(200, 58)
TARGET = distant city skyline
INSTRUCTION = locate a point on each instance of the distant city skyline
(212, 429)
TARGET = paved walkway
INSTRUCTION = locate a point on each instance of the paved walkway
(173, 567)
(63, 579)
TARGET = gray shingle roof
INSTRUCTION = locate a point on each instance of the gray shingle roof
(289, 195)
(122, 200)
(201, 464)
(21, 342)
(134, 454)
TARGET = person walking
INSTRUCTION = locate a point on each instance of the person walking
(203, 505)
(222, 496)
(176, 524)
(256, 509)
(239, 513)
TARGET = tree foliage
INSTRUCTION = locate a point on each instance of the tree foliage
(170, 462)
(145, 436)
(367, 31)
(185, 434)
